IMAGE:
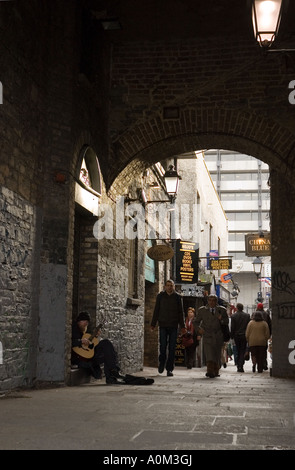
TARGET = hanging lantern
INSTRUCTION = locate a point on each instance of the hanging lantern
(266, 17)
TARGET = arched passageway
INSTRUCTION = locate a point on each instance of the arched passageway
(166, 140)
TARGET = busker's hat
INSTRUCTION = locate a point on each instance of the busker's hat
(83, 316)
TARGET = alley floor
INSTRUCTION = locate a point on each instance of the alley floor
(186, 412)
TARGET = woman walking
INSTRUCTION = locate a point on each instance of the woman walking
(257, 335)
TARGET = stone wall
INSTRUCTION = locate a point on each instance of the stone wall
(283, 276)
(18, 288)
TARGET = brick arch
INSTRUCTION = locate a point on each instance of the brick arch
(148, 142)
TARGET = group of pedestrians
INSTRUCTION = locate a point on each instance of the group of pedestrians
(248, 333)
(251, 334)
(209, 323)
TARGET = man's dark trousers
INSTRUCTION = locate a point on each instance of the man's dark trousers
(241, 344)
(168, 336)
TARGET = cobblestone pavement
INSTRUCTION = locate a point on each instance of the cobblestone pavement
(236, 411)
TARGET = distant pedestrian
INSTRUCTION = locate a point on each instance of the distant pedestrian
(266, 317)
(257, 335)
(168, 313)
(208, 323)
(239, 322)
(191, 337)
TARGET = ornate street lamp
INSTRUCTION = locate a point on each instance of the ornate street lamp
(266, 17)
(172, 178)
(257, 266)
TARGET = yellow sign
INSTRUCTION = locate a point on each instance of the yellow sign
(220, 263)
(187, 255)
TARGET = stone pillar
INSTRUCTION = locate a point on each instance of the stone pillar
(283, 276)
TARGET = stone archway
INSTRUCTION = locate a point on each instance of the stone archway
(156, 139)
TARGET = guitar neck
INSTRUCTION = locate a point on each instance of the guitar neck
(99, 327)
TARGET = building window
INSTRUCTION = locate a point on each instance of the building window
(84, 174)
(88, 181)
(89, 171)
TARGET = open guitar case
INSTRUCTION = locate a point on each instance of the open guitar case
(133, 380)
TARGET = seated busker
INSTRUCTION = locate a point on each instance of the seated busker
(89, 351)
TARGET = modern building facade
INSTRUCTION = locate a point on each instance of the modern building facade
(242, 183)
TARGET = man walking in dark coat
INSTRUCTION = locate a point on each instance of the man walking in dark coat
(239, 322)
(168, 313)
(208, 323)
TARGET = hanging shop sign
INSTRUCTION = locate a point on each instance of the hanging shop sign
(211, 254)
(256, 245)
(160, 252)
(187, 257)
(220, 263)
(226, 278)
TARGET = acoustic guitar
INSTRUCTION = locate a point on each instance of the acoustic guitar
(87, 351)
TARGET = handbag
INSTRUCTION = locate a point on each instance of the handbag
(187, 340)
(225, 332)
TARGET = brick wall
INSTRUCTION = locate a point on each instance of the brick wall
(227, 94)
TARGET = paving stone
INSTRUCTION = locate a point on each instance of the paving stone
(185, 412)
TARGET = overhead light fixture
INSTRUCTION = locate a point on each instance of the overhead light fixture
(266, 17)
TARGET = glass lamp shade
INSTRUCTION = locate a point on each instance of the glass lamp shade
(257, 266)
(172, 181)
(266, 17)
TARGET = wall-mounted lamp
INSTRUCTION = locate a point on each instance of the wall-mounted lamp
(172, 179)
(266, 17)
